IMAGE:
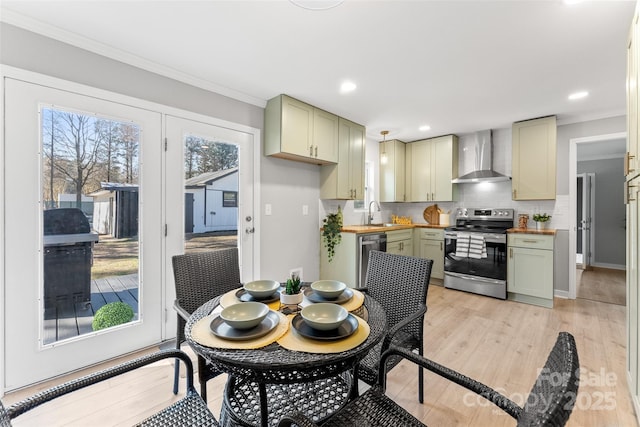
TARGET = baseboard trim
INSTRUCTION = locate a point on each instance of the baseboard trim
(601, 266)
(559, 293)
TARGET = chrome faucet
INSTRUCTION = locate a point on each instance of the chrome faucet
(370, 216)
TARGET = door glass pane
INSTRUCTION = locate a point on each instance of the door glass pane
(90, 168)
(210, 194)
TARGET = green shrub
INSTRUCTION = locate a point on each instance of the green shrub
(112, 314)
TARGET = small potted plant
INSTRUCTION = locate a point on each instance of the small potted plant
(541, 220)
(291, 294)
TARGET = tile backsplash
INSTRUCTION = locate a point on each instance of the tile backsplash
(480, 195)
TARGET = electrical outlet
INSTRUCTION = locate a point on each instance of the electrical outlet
(297, 272)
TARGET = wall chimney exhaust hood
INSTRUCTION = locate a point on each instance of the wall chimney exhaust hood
(483, 162)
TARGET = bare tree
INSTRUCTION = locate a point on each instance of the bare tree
(76, 143)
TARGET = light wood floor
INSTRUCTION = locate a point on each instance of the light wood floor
(601, 284)
(500, 343)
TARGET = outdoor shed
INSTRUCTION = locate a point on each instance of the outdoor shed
(211, 202)
(115, 209)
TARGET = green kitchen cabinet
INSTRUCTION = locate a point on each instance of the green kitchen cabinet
(534, 159)
(392, 171)
(345, 180)
(400, 242)
(530, 268)
(431, 246)
(298, 131)
(431, 164)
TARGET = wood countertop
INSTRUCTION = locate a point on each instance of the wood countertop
(361, 229)
(548, 231)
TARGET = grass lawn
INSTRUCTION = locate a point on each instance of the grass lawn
(119, 257)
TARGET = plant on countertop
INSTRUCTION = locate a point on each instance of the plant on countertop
(112, 314)
(543, 217)
(331, 232)
(293, 285)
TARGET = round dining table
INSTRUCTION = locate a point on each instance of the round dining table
(265, 383)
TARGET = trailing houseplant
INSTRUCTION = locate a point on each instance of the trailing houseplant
(332, 226)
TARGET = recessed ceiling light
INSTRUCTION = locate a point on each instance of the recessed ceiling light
(571, 2)
(578, 95)
(317, 4)
(347, 87)
(424, 128)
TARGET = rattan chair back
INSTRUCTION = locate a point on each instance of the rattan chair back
(200, 277)
(190, 410)
(556, 389)
(399, 283)
(549, 405)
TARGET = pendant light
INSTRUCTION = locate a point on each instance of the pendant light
(383, 156)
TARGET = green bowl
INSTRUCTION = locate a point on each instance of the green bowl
(245, 315)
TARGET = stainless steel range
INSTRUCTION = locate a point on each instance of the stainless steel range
(475, 256)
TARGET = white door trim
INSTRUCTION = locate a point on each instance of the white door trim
(573, 166)
(45, 80)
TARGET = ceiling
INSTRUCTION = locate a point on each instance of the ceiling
(457, 66)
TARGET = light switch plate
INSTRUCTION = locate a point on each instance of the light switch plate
(267, 209)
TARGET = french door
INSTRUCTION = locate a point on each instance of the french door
(213, 194)
(49, 136)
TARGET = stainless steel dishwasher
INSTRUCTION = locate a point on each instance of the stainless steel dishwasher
(366, 244)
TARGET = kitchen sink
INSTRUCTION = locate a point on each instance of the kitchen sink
(386, 224)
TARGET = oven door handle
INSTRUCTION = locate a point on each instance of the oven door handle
(476, 278)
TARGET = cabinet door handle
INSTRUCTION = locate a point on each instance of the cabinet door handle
(510, 252)
(514, 194)
(627, 163)
(531, 241)
(311, 151)
(440, 246)
(316, 151)
(628, 194)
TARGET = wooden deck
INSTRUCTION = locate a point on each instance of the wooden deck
(71, 319)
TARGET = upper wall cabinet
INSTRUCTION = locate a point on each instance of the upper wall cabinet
(346, 179)
(298, 131)
(534, 159)
(392, 171)
(431, 164)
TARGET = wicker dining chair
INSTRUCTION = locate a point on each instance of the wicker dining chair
(549, 404)
(189, 411)
(199, 277)
(399, 283)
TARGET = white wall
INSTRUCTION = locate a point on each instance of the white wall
(288, 239)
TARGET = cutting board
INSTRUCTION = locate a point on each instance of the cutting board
(432, 214)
